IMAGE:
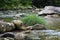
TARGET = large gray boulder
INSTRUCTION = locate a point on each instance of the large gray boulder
(50, 10)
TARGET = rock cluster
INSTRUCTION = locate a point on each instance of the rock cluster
(17, 24)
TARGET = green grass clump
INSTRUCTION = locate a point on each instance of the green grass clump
(33, 19)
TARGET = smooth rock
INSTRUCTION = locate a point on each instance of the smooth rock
(50, 10)
(38, 27)
(19, 25)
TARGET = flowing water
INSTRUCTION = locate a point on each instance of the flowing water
(44, 35)
(51, 23)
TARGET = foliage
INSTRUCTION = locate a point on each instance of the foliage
(56, 2)
(33, 19)
(43, 3)
(17, 4)
(14, 4)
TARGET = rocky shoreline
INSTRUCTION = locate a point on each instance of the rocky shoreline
(27, 33)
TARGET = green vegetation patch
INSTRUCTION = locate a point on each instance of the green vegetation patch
(33, 19)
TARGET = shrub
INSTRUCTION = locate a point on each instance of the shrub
(14, 4)
(33, 19)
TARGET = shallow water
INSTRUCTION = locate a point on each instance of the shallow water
(51, 23)
(44, 35)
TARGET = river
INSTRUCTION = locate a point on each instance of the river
(52, 25)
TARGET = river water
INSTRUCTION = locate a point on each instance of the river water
(52, 25)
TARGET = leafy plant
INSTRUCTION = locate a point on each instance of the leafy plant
(33, 19)
(14, 4)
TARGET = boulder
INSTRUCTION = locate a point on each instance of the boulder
(20, 36)
(6, 26)
(7, 36)
(53, 8)
(10, 26)
(50, 10)
(38, 27)
(19, 25)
